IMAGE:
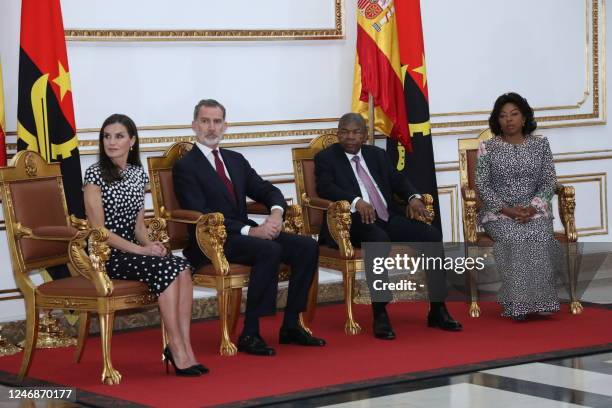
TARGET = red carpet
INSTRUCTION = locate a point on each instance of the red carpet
(345, 359)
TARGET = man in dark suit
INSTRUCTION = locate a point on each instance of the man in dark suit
(364, 176)
(209, 179)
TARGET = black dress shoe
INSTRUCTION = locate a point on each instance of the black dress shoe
(440, 318)
(382, 327)
(298, 335)
(254, 345)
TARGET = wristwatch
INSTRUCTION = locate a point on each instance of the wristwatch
(420, 197)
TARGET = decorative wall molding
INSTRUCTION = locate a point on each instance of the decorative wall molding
(336, 32)
(455, 220)
(601, 181)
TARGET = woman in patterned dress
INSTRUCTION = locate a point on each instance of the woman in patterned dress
(114, 198)
(515, 179)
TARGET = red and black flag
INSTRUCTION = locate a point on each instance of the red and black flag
(45, 112)
(418, 165)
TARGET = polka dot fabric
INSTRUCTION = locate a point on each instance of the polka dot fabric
(122, 200)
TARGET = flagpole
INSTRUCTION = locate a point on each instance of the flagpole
(372, 118)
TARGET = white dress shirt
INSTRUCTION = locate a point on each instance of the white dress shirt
(208, 153)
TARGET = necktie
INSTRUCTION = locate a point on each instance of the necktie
(221, 173)
(375, 198)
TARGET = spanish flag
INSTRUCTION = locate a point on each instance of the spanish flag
(2, 123)
(378, 71)
(45, 112)
(419, 164)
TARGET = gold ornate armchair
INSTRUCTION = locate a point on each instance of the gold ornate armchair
(345, 259)
(476, 239)
(41, 234)
(228, 279)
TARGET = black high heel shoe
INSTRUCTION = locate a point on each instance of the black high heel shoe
(201, 368)
(182, 372)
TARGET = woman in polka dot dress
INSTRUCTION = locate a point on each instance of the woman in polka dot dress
(515, 178)
(114, 198)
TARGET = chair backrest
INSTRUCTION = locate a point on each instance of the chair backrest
(303, 167)
(468, 155)
(33, 196)
(162, 190)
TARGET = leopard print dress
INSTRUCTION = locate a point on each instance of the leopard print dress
(526, 255)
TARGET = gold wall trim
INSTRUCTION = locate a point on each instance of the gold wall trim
(601, 180)
(453, 193)
(331, 33)
(229, 124)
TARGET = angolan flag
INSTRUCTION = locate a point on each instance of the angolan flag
(45, 112)
(419, 164)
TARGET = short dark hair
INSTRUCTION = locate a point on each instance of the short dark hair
(110, 172)
(352, 118)
(209, 103)
(521, 103)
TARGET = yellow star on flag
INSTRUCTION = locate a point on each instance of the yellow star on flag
(63, 81)
(423, 71)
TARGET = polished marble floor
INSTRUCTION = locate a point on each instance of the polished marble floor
(574, 382)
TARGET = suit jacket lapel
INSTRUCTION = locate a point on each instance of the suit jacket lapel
(347, 167)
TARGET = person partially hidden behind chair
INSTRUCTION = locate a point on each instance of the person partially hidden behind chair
(364, 176)
(209, 179)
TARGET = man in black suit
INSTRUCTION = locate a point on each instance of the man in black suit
(209, 179)
(364, 176)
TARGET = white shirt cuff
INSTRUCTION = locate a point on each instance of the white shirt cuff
(245, 230)
(279, 207)
(354, 204)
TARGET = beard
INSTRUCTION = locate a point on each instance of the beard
(211, 140)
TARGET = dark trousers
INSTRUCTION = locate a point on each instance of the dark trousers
(401, 229)
(264, 256)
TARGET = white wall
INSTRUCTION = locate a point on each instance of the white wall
(476, 50)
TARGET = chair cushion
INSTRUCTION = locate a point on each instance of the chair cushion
(234, 269)
(328, 252)
(47, 191)
(82, 287)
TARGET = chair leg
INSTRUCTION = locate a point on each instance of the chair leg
(474, 308)
(30, 337)
(83, 335)
(234, 309)
(572, 256)
(311, 308)
(351, 327)
(227, 347)
(110, 376)
(472, 284)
